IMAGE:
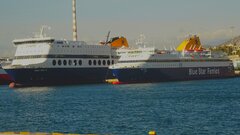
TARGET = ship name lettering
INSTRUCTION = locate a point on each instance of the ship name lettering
(213, 71)
(193, 71)
(202, 71)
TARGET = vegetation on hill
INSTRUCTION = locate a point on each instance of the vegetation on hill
(231, 47)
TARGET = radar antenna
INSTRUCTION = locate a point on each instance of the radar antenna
(42, 31)
(140, 41)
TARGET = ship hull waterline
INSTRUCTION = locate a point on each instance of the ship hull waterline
(149, 75)
(58, 76)
(5, 79)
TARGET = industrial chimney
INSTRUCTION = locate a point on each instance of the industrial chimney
(74, 20)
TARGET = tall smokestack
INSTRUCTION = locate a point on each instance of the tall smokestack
(74, 20)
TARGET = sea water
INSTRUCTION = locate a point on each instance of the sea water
(169, 108)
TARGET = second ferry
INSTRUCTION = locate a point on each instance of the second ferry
(44, 60)
(190, 61)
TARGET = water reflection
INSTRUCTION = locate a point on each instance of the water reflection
(34, 89)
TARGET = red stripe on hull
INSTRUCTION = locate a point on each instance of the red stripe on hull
(5, 78)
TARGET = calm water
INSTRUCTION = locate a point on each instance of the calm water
(192, 107)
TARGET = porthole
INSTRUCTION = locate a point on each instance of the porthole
(59, 62)
(104, 62)
(54, 62)
(90, 62)
(70, 62)
(108, 62)
(94, 62)
(64, 62)
(99, 62)
(80, 62)
(75, 62)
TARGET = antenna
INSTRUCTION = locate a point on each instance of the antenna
(140, 40)
(42, 31)
(74, 20)
(107, 37)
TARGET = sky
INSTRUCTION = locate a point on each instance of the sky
(165, 23)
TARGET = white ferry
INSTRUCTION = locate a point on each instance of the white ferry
(190, 61)
(44, 60)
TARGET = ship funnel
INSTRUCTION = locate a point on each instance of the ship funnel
(191, 44)
(74, 20)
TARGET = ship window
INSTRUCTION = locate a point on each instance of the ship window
(95, 62)
(99, 62)
(108, 62)
(75, 62)
(64, 62)
(59, 62)
(90, 62)
(104, 62)
(70, 62)
(54, 62)
(59, 42)
(112, 62)
(80, 62)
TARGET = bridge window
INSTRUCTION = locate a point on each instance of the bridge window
(54, 62)
(80, 62)
(64, 62)
(90, 62)
(70, 62)
(95, 62)
(104, 62)
(59, 62)
(75, 62)
(108, 62)
(99, 62)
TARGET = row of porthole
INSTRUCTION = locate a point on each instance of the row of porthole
(79, 62)
(65, 62)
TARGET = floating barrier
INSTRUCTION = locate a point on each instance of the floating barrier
(114, 81)
(54, 133)
(38, 133)
(152, 133)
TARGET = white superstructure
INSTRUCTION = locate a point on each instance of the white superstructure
(153, 58)
(42, 52)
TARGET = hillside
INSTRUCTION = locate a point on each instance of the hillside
(231, 47)
(234, 41)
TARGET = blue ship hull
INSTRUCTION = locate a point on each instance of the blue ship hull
(133, 75)
(58, 76)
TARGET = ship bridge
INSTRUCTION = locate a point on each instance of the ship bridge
(33, 40)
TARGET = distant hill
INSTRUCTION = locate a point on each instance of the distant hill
(235, 41)
(231, 47)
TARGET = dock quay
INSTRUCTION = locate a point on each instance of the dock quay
(38, 133)
(55, 133)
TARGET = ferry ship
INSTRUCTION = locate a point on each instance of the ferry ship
(44, 60)
(4, 77)
(190, 61)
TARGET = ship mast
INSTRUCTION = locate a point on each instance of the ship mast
(74, 20)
